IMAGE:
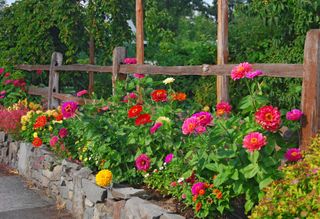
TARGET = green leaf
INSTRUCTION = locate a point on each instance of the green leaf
(212, 166)
(235, 175)
(265, 183)
(238, 187)
(248, 206)
(250, 171)
(253, 157)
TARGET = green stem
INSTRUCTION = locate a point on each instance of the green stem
(251, 96)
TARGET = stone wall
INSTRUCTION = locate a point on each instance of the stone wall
(73, 186)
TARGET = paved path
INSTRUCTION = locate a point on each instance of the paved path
(19, 202)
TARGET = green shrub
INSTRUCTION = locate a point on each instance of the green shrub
(297, 195)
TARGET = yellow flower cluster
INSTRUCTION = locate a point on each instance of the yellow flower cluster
(163, 119)
(104, 178)
(25, 119)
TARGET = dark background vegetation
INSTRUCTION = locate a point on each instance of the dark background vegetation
(178, 32)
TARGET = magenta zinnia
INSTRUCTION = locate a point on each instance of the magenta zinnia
(143, 162)
(223, 108)
(154, 128)
(253, 74)
(69, 109)
(269, 118)
(293, 154)
(189, 125)
(197, 187)
(168, 158)
(81, 93)
(241, 70)
(254, 141)
(294, 115)
(204, 118)
(63, 132)
(53, 141)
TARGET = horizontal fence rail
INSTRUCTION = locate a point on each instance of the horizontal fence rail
(270, 70)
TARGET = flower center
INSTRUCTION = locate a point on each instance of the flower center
(269, 117)
(143, 162)
(191, 126)
(253, 140)
(68, 108)
(294, 154)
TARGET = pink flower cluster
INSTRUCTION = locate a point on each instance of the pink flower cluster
(133, 61)
(223, 108)
(69, 109)
(3, 94)
(244, 70)
(143, 162)
(131, 96)
(269, 118)
(168, 158)
(294, 115)
(197, 187)
(293, 154)
(197, 123)
(63, 132)
(155, 127)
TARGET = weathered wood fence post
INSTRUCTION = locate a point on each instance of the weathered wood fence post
(92, 62)
(56, 60)
(310, 103)
(119, 53)
(222, 50)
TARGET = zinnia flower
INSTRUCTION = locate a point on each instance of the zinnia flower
(1, 70)
(81, 93)
(204, 118)
(179, 96)
(37, 142)
(54, 140)
(104, 178)
(269, 118)
(293, 154)
(163, 119)
(198, 206)
(134, 111)
(159, 95)
(189, 125)
(294, 115)
(156, 126)
(39, 72)
(200, 129)
(143, 119)
(195, 189)
(63, 132)
(132, 95)
(7, 74)
(41, 121)
(241, 70)
(168, 158)
(69, 109)
(223, 108)
(136, 75)
(253, 74)
(130, 61)
(168, 80)
(143, 162)
(254, 141)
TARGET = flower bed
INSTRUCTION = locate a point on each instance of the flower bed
(206, 158)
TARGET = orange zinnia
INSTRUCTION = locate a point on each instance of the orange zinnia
(198, 206)
(179, 96)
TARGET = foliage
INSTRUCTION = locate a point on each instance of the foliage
(296, 194)
(10, 119)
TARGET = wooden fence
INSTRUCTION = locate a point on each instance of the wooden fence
(309, 71)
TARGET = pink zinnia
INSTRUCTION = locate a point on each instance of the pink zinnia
(189, 125)
(136, 75)
(3, 92)
(6, 82)
(269, 118)
(293, 154)
(241, 70)
(1, 70)
(197, 187)
(69, 109)
(81, 93)
(132, 95)
(294, 115)
(154, 128)
(39, 72)
(204, 118)
(7, 74)
(53, 141)
(200, 129)
(63, 132)
(254, 141)
(130, 61)
(223, 108)
(105, 108)
(253, 74)
(168, 158)
(143, 162)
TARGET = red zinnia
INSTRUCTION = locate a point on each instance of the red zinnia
(37, 142)
(269, 118)
(223, 108)
(143, 119)
(59, 117)
(40, 122)
(179, 96)
(159, 95)
(134, 111)
(198, 206)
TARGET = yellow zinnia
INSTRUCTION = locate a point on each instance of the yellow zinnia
(23, 128)
(35, 135)
(104, 178)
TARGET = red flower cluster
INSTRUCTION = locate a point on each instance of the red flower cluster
(135, 111)
(10, 119)
(40, 122)
(159, 95)
(37, 142)
(269, 118)
(143, 119)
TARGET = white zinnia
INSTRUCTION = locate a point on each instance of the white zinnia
(168, 80)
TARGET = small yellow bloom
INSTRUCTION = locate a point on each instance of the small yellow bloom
(50, 128)
(104, 178)
(38, 111)
(35, 135)
(84, 149)
(168, 80)
(206, 109)
(80, 157)
(55, 121)
(163, 119)
(23, 128)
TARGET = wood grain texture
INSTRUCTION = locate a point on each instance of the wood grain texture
(119, 54)
(91, 61)
(139, 32)
(56, 60)
(222, 50)
(310, 103)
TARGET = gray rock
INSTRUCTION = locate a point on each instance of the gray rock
(13, 150)
(56, 172)
(78, 198)
(101, 211)
(63, 192)
(171, 216)
(93, 192)
(88, 203)
(126, 193)
(69, 165)
(83, 173)
(24, 155)
(2, 137)
(47, 173)
(44, 181)
(88, 213)
(70, 195)
(131, 208)
(68, 205)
